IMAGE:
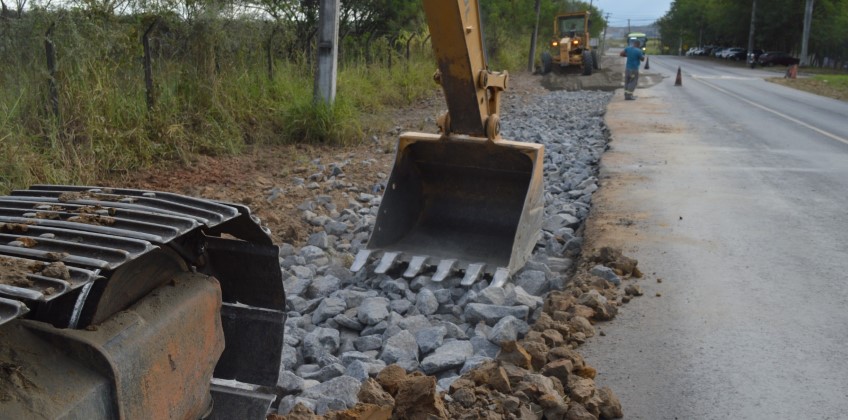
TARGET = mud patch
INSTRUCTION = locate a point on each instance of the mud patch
(13, 271)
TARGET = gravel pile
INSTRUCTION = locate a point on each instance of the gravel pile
(344, 328)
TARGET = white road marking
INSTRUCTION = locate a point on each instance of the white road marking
(778, 113)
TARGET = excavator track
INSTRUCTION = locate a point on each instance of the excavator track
(72, 257)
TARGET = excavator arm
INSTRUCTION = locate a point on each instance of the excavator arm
(465, 203)
(472, 91)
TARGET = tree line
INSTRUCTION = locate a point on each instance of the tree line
(778, 26)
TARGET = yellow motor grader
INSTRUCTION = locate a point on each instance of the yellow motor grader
(571, 45)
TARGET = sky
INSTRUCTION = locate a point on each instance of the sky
(639, 12)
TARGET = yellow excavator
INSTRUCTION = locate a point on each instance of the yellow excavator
(464, 202)
(131, 304)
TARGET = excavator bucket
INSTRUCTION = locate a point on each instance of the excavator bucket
(461, 204)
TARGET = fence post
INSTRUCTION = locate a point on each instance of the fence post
(53, 91)
(408, 41)
(270, 52)
(392, 41)
(148, 67)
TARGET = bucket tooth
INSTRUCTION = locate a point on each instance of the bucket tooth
(415, 266)
(360, 260)
(386, 263)
(472, 274)
(500, 277)
(444, 269)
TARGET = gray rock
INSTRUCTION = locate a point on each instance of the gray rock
(426, 302)
(342, 388)
(326, 373)
(491, 314)
(373, 310)
(606, 273)
(289, 383)
(318, 239)
(484, 347)
(492, 296)
(314, 255)
(414, 323)
(400, 306)
(369, 342)
(533, 281)
(296, 286)
(336, 228)
(323, 286)
(508, 329)
(327, 309)
(319, 341)
(453, 330)
(450, 355)
(443, 296)
(430, 339)
(348, 322)
(517, 296)
(357, 369)
(354, 298)
(378, 329)
(401, 347)
(291, 358)
(445, 383)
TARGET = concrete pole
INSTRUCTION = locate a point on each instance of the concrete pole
(534, 38)
(808, 20)
(328, 51)
(751, 34)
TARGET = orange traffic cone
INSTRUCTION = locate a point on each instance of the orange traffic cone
(679, 80)
(791, 72)
(647, 63)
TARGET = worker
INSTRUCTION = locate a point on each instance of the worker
(634, 56)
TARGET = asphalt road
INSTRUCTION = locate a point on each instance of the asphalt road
(734, 193)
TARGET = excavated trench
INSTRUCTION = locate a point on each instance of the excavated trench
(384, 346)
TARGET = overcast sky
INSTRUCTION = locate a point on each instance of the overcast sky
(639, 12)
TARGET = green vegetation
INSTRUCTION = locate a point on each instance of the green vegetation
(779, 26)
(830, 85)
(225, 75)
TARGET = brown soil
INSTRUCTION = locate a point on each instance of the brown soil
(13, 272)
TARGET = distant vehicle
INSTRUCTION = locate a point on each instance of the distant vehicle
(777, 57)
(638, 36)
(753, 56)
(734, 54)
(717, 51)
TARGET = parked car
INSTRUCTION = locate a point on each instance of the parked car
(776, 57)
(732, 53)
(717, 51)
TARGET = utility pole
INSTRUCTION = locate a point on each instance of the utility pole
(328, 51)
(604, 38)
(751, 34)
(534, 38)
(808, 20)
(628, 26)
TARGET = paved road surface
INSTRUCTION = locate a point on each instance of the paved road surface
(734, 192)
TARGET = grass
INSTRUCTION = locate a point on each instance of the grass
(105, 126)
(830, 85)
